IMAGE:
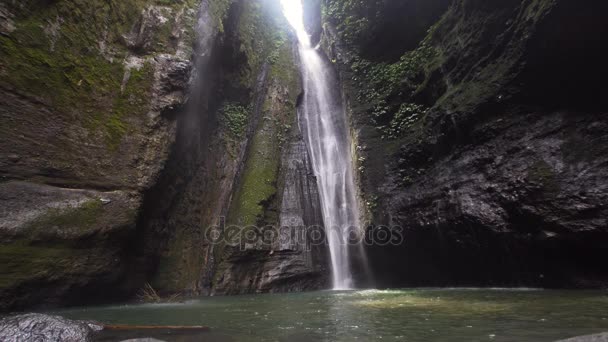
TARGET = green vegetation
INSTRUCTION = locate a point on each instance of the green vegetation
(387, 89)
(405, 118)
(352, 18)
(372, 203)
(256, 39)
(259, 181)
(234, 118)
(180, 265)
(285, 71)
(218, 9)
(258, 187)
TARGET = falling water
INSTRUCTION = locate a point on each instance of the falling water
(324, 126)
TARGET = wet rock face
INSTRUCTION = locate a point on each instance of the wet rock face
(56, 240)
(230, 164)
(277, 193)
(39, 328)
(517, 205)
(89, 94)
(291, 261)
(501, 180)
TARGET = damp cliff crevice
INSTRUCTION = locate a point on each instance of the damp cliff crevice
(228, 167)
(479, 136)
(276, 200)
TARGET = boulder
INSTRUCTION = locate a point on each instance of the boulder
(603, 337)
(39, 328)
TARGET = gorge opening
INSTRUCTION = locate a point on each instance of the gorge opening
(204, 170)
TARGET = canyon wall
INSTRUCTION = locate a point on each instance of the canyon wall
(480, 127)
(133, 131)
(89, 94)
(129, 129)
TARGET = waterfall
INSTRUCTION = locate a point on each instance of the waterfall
(326, 133)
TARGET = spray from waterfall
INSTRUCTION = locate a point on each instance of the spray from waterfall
(326, 132)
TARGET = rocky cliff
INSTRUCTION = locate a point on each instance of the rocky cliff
(89, 91)
(129, 129)
(480, 128)
(229, 167)
(276, 199)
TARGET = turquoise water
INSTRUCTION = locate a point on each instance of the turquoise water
(392, 315)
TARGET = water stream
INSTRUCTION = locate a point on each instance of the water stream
(326, 132)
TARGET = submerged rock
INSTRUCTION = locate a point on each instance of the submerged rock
(42, 328)
(603, 337)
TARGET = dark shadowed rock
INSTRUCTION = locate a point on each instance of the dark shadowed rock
(502, 181)
(43, 328)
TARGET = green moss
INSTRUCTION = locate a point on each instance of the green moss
(54, 54)
(64, 244)
(22, 261)
(259, 177)
(405, 118)
(257, 38)
(284, 70)
(258, 189)
(81, 217)
(234, 118)
(87, 84)
(132, 102)
(30, 255)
